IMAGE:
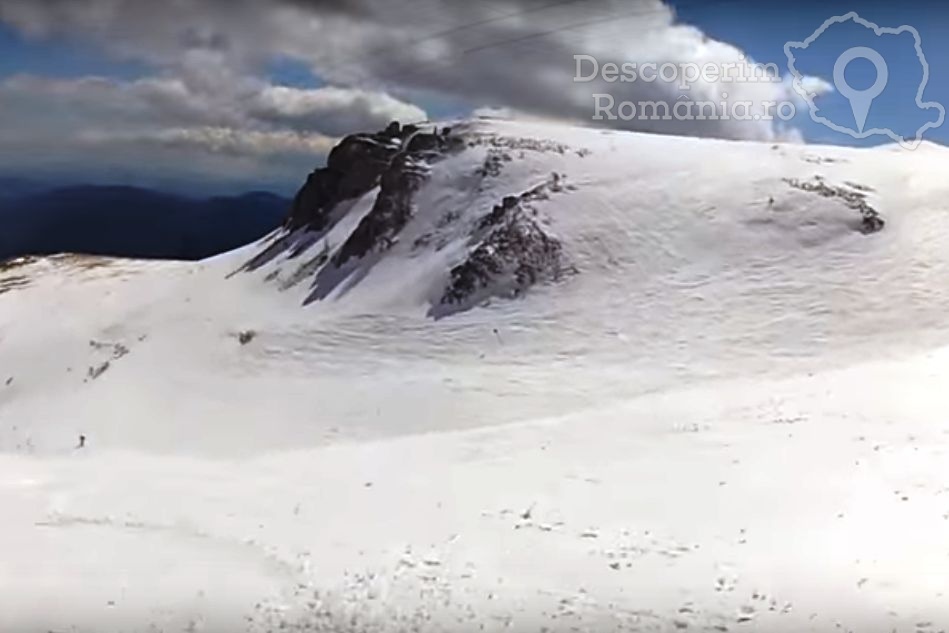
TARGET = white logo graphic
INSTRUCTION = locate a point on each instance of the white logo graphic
(862, 100)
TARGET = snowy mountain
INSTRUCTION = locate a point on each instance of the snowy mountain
(131, 222)
(499, 375)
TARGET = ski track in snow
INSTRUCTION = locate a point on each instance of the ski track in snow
(731, 418)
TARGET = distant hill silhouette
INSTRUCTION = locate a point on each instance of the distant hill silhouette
(11, 187)
(132, 222)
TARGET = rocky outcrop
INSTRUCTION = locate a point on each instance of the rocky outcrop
(391, 211)
(399, 183)
(357, 165)
(854, 196)
(513, 253)
(352, 169)
(512, 258)
(506, 251)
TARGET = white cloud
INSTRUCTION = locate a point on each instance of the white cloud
(333, 110)
(216, 140)
(381, 58)
(165, 125)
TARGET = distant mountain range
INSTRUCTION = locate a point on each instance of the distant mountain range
(130, 221)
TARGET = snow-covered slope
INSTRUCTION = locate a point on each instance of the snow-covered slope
(503, 375)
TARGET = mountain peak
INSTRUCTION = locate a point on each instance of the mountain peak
(454, 217)
(501, 251)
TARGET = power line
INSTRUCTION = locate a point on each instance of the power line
(569, 27)
(467, 26)
(453, 59)
(620, 16)
(500, 18)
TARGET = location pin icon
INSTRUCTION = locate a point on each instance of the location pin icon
(861, 100)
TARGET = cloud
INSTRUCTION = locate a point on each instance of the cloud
(335, 111)
(381, 59)
(811, 87)
(169, 124)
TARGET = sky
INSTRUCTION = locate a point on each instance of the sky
(762, 29)
(218, 96)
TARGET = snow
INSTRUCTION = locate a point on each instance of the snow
(732, 416)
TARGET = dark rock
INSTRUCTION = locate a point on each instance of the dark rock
(355, 166)
(95, 372)
(510, 251)
(427, 143)
(872, 223)
(399, 180)
(245, 337)
(515, 254)
(398, 183)
(352, 169)
(499, 212)
(391, 211)
(854, 196)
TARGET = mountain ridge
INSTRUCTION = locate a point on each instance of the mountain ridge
(499, 246)
(128, 221)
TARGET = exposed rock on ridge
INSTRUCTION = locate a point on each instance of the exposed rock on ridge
(353, 168)
(399, 184)
(506, 251)
(512, 253)
(855, 197)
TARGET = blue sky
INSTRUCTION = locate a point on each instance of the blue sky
(245, 106)
(59, 57)
(763, 28)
